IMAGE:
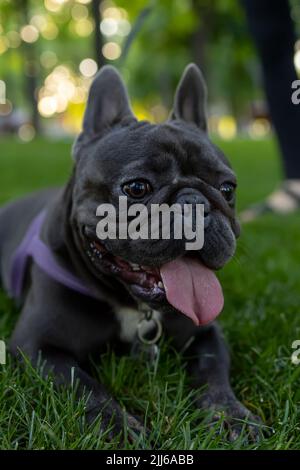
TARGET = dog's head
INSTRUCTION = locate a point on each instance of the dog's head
(173, 162)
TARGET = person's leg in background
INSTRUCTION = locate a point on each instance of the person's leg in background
(272, 29)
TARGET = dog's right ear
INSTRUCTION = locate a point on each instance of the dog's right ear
(107, 105)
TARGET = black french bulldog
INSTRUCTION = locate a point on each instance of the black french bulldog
(115, 155)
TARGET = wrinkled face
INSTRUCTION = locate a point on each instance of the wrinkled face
(174, 162)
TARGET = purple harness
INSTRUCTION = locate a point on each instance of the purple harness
(32, 246)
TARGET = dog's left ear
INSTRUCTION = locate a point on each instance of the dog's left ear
(190, 98)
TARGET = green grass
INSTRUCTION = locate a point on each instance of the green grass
(260, 320)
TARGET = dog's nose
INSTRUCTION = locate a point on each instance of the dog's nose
(195, 198)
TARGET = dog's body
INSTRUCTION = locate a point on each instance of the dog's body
(67, 326)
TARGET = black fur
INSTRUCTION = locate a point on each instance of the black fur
(176, 156)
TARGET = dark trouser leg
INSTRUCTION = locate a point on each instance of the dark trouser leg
(273, 32)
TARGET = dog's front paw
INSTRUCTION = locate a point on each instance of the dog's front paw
(136, 428)
(116, 423)
(234, 418)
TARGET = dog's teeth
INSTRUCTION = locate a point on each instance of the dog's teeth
(135, 266)
(160, 284)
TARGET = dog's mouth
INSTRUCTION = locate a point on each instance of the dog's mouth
(185, 283)
(144, 279)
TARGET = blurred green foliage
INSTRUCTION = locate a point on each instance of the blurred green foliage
(211, 33)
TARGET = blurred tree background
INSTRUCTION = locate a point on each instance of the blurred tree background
(51, 49)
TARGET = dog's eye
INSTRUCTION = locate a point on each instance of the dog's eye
(228, 191)
(137, 189)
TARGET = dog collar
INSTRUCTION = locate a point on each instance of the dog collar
(33, 247)
(147, 320)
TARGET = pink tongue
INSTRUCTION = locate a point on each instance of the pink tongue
(193, 289)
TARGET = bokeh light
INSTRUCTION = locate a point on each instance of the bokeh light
(79, 95)
(111, 50)
(88, 67)
(83, 27)
(62, 72)
(227, 127)
(29, 33)
(26, 132)
(297, 60)
(109, 26)
(48, 59)
(114, 21)
(49, 31)
(2, 92)
(5, 108)
(47, 106)
(79, 12)
(109, 11)
(54, 5)
(63, 89)
(124, 28)
(259, 128)
(39, 21)
(3, 45)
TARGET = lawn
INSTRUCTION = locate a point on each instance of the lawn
(260, 320)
